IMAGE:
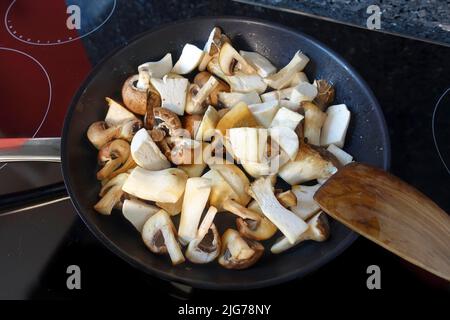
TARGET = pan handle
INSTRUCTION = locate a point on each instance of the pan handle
(24, 150)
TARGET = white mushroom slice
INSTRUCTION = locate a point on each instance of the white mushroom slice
(163, 186)
(190, 58)
(335, 126)
(286, 118)
(342, 156)
(261, 64)
(257, 169)
(318, 230)
(303, 92)
(172, 208)
(230, 99)
(286, 138)
(157, 69)
(208, 125)
(314, 120)
(194, 201)
(247, 83)
(264, 112)
(277, 94)
(289, 105)
(220, 189)
(173, 93)
(159, 235)
(193, 170)
(298, 78)
(138, 212)
(237, 180)
(306, 205)
(117, 114)
(282, 78)
(146, 153)
(228, 57)
(248, 144)
(196, 104)
(286, 221)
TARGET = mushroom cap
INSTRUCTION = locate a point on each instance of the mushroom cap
(206, 249)
(111, 156)
(134, 98)
(167, 123)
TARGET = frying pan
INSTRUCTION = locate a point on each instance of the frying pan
(367, 140)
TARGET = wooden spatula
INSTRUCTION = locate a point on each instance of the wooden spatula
(391, 213)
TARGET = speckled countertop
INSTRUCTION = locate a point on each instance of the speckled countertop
(427, 20)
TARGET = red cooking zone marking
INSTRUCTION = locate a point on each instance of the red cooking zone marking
(67, 66)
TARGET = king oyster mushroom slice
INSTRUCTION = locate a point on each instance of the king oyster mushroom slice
(159, 235)
(261, 64)
(207, 126)
(286, 138)
(287, 198)
(133, 97)
(264, 112)
(277, 94)
(230, 99)
(111, 194)
(303, 92)
(251, 223)
(206, 245)
(196, 101)
(286, 221)
(111, 156)
(162, 186)
(318, 230)
(286, 118)
(306, 205)
(283, 77)
(342, 156)
(137, 212)
(241, 82)
(146, 153)
(228, 57)
(325, 94)
(173, 93)
(157, 69)
(238, 252)
(298, 78)
(314, 120)
(248, 144)
(167, 123)
(117, 114)
(190, 58)
(310, 164)
(335, 126)
(202, 78)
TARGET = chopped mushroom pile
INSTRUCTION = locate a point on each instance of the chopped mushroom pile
(216, 133)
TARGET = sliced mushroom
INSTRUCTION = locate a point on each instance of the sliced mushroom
(191, 122)
(182, 150)
(117, 114)
(264, 112)
(306, 205)
(196, 102)
(325, 94)
(128, 129)
(173, 93)
(237, 180)
(318, 230)
(202, 77)
(286, 221)
(111, 194)
(163, 186)
(287, 199)
(213, 67)
(303, 92)
(159, 235)
(286, 138)
(228, 57)
(237, 252)
(335, 126)
(133, 97)
(314, 120)
(342, 156)
(231, 99)
(283, 77)
(277, 94)
(157, 69)
(206, 245)
(99, 133)
(207, 126)
(309, 164)
(111, 156)
(220, 190)
(167, 123)
(286, 118)
(241, 82)
(260, 63)
(146, 153)
(137, 212)
(239, 116)
(153, 102)
(298, 78)
(190, 58)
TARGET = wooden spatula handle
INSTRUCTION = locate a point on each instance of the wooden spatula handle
(393, 214)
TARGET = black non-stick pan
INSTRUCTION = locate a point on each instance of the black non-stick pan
(367, 141)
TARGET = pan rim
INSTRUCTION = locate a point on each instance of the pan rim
(202, 284)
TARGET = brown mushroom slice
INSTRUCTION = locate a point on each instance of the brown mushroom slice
(111, 156)
(191, 122)
(314, 120)
(206, 246)
(196, 102)
(325, 94)
(153, 102)
(228, 57)
(287, 199)
(111, 194)
(311, 163)
(202, 77)
(134, 98)
(99, 133)
(167, 123)
(184, 151)
(318, 230)
(159, 235)
(237, 252)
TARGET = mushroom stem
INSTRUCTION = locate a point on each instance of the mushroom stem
(206, 222)
(241, 211)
